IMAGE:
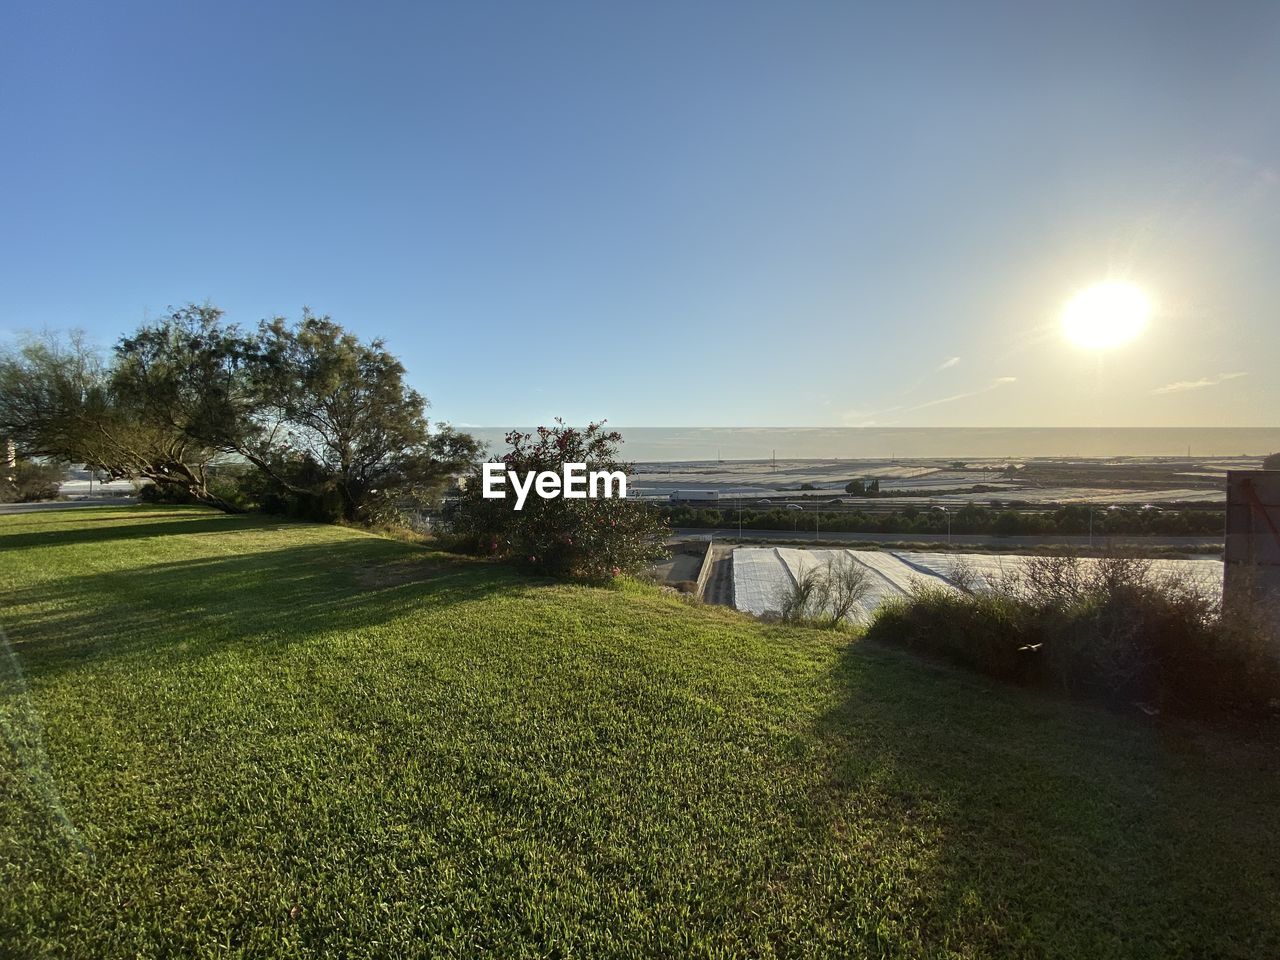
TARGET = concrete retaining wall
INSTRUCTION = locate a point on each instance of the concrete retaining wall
(704, 573)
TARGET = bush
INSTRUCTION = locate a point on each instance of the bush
(164, 493)
(803, 599)
(1108, 630)
(296, 487)
(592, 539)
(31, 481)
(825, 596)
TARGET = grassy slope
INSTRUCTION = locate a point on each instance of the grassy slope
(275, 739)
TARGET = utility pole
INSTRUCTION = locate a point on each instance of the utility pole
(946, 511)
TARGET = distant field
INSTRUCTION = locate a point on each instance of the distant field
(762, 574)
(235, 737)
(1134, 481)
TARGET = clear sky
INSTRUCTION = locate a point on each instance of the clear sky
(695, 213)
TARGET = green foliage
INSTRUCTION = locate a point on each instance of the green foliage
(231, 484)
(326, 418)
(1108, 630)
(592, 538)
(49, 390)
(154, 493)
(188, 372)
(289, 485)
(350, 423)
(1008, 523)
(30, 481)
(709, 517)
(825, 596)
(990, 519)
(60, 399)
(283, 740)
(803, 599)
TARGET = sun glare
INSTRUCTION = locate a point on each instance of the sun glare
(1105, 315)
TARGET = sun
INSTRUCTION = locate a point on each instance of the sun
(1105, 315)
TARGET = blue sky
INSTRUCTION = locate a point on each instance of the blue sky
(672, 213)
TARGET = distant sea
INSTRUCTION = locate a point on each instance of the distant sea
(701, 444)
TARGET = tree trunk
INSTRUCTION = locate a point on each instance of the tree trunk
(193, 488)
(210, 500)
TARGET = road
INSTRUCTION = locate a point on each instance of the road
(959, 539)
(719, 588)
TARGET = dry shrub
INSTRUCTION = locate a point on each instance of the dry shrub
(964, 577)
(804, 598)
(825, 596)
(1112, 629)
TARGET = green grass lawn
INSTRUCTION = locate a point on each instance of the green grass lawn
(232, 736)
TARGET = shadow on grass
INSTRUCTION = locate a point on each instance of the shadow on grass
(125, 527)
(195, 607)
(115, 513)
(1024, 825)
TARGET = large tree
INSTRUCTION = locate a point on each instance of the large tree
(334, 413)
(326, 418)
(60, 400)
(191, 373)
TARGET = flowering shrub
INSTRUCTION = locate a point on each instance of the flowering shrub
(592, 539)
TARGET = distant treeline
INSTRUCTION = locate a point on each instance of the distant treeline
(972, 518)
